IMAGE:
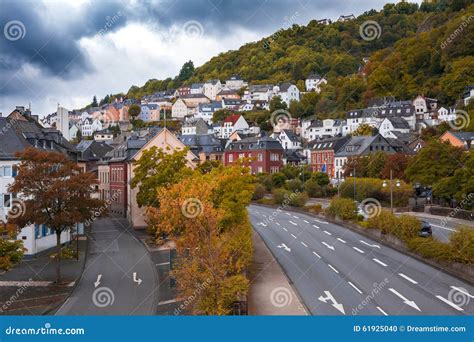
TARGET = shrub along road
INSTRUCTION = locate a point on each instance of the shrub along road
(337, 271)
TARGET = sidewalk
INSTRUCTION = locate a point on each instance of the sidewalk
(29, 289)
(270, 291)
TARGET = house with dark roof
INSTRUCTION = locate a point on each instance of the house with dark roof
(265, 154)
(287, 91)
(314, 82)
(235, 82)
(389, 126)
(288, 139)
(464, 140)
(322, 152)
(204, 146)
(206, 110)
(194, 126)
(359, 146)
(90, 152)
(19, 131)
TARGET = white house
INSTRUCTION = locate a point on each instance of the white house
(206, 110)
(287, 91)
(211, 88)
(73, 129)
(468, 94)
(231, 124)
(326, 128)
(180, 109)
(390, 125)
(197, 88)
(446, 114)
(314, 82)
(89, 126)
(235, 82)
(424, 105)
(194, 126)
(259, 92)
(287, 139)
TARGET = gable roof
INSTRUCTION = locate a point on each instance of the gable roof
(232, 118)
(255, 143)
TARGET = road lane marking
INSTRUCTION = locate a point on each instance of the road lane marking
(450, 303)
(332, 268)
(163, 264)
(288, 214)
(315, 226)
(341, 240)
(405, 300)
(329, 297)
(380, 309)
(305, 221)
(304, 244)
(263, 224)
(285, 229)
(293, 236)
(358, 250)
(293, 223)
(407, 278)
(379, 262)
(435, 225)
(326, 232)
(321, 221)
(327, 245)
(462, 290)
(355, 287)
(317, 254)
(285, 247)
(296, 217)
(368, 244)
(277, 223)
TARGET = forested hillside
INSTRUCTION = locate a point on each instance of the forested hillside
(410, 55)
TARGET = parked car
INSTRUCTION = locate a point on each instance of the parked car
(425, 229)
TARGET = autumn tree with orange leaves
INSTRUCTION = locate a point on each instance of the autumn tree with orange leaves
(54, 192)
(205, 214)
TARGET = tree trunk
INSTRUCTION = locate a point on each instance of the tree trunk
(58, 257)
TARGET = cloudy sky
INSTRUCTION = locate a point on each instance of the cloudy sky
(66, 51)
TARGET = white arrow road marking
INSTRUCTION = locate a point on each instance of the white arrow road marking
(407, 278)
(285, 247)
(334, 303)
(460, 289)
(327, 245)
(135, 279)
(368, 244)
(326, 232)
(450, 303)
(97, 283)
(315, 226)
(293, 223)
(339, 239)
(305, 221)
(355, 287)
(304, 244)
(379, 262)
(317, 254)
(358, 250)
(285, 229)
(405, 300)
(294, 236)
(332, 268)
(380, 309)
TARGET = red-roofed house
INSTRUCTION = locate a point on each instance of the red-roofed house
(232, 123)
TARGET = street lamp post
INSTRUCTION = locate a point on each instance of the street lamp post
(384, 184)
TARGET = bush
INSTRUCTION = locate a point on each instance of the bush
(343, 208)
(278, 179)
(313, 189)
(280, 195)
(462, 244)
(298, 199)
(67, 252)
(11, 252)
(314, 208)
(266, 181)
(404, 227)
(265, 201)
(259, 192)
(293, 185)
(385, 221)
(430, 248)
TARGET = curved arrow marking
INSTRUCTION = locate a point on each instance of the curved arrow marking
(285, 247)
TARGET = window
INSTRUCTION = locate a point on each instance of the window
(260, 157)
(6, 171)
(231, 158)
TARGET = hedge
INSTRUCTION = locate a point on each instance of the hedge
(343, 208)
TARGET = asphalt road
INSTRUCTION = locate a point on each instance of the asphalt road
(339, 272)
(119, 277)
